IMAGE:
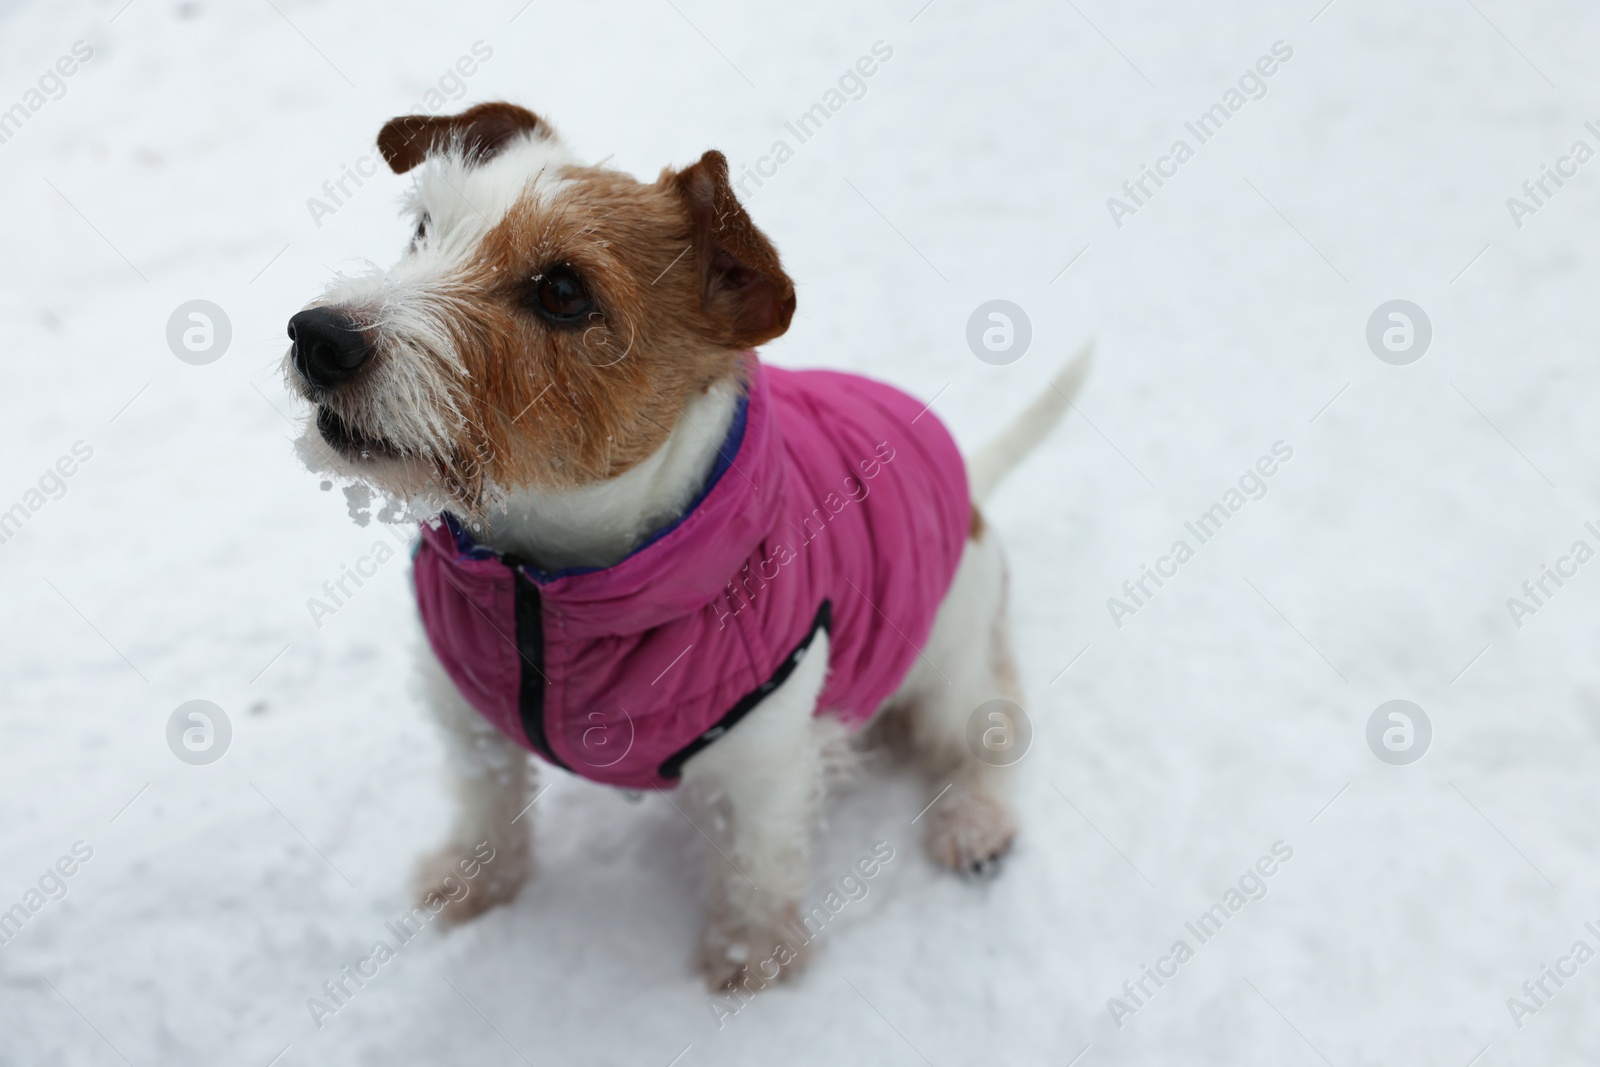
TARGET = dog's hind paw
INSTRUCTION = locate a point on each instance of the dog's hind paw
(970, 833)
(461, 882)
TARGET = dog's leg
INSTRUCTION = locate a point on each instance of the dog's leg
(755, 794)
(967, 663)
(492, 780)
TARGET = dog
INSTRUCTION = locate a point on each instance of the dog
(647, 556)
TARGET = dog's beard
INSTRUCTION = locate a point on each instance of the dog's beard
(411, 488)
(401, 433)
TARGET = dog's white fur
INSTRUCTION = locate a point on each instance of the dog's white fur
(756, 793)
(596, 525)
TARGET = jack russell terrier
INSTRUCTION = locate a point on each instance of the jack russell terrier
(648, 557)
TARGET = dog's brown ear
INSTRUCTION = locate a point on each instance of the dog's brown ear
(744, 292)
(479, 131)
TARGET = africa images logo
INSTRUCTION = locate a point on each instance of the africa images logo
(1251, 887)
(51, 85)
(1252, 485)
(851, 85)
(451, 85)
(1252, 85)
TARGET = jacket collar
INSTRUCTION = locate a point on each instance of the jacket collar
(682, 566)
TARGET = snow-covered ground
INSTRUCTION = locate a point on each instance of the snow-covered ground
(1177, 742)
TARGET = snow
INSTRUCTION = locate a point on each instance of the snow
(1227, 714)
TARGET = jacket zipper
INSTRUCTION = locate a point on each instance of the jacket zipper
(529, 610)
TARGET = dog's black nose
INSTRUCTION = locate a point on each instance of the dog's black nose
(328, 347)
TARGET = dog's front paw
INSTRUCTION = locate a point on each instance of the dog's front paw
(460, 882)
(752, 954)
(970, 833)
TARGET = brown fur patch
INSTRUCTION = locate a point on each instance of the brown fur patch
(975, 525)
(743, 288)
(480, 131)
(681, 281)
(553, 405)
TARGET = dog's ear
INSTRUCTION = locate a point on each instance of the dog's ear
(479, 131)
(744, 293)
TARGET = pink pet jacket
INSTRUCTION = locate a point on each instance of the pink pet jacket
(838, 503)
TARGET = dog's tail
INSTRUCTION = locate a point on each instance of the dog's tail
(996, 459)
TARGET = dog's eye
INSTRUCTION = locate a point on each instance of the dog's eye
(559, 294)
(422, 228)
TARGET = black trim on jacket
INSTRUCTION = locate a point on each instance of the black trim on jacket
(672, 766)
